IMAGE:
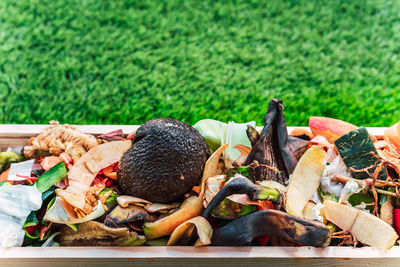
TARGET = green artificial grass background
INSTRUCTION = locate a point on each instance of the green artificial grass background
(125, 62)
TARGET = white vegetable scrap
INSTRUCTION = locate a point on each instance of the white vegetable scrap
(317, 212)
(330, 186)
(315, 198)
(350, 188)
(50, 241)
(235, 134)
(17, 201)
(212, 131)
(11, 233)
(23, 169)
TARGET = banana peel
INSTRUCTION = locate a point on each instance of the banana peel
(93, 233)
(244, 230)
(272, 148)
(305, 180)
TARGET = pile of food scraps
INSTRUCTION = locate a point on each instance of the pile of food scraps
(214, 183)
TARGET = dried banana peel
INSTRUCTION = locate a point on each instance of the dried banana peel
(97, 234)
(244, 230)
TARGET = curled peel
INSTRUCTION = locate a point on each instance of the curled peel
(204, 231)
(59, 213)
(82, 174)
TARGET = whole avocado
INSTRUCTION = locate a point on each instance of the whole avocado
(166, 160)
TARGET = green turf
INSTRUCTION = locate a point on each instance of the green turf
(125, 62)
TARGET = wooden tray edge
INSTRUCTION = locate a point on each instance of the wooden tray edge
(203, 252)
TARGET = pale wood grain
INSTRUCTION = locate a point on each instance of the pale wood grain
(12, 142)
(199, 253)
(29, 130)
(215, 256)
(250, 262)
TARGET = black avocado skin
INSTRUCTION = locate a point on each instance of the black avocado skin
(166, 160)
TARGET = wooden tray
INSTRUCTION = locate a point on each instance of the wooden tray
(17, 135)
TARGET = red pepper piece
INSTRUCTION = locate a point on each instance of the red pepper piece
(29, 179)
(109, 183)
(130, 136)
(263, 240)
(264, 205)
(32, 229)
(396, 220)
(108, 170)
(96, 181)
(115, 168)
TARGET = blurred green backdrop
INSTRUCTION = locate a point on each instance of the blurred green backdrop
(125, 62)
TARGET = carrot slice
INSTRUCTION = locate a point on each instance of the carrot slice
(4, 175)
(49, 162)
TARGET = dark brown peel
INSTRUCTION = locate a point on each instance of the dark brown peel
(112, 136)
(97, 234)
(272, 148)
(244, 230)
(120, 215)
(298, 146)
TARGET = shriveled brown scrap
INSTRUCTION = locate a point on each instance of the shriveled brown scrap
(97, 234)
(298, 146)
(272, 148)
(245, 229)
(58, 138)
(120, 215)
(389, 152)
